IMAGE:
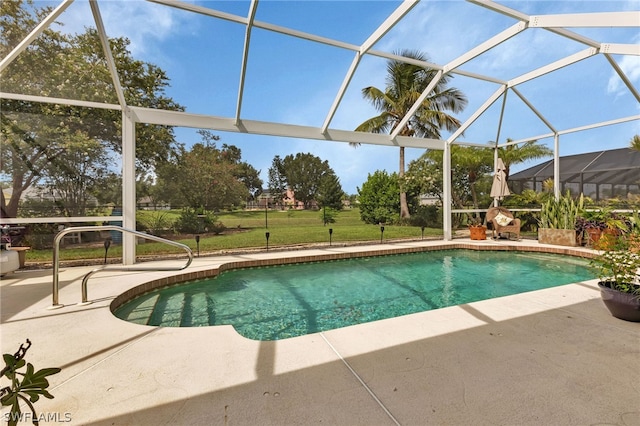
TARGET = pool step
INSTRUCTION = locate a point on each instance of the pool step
(195, 310)
(168, 310)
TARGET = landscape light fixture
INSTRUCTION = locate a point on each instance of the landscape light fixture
(107, 244)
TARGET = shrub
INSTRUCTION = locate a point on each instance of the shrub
(379, 198)
(216, 228)
(430, 216)
(155, 223)
(195, 221)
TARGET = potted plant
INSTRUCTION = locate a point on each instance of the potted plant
(557, 224)
(477, 231)
(615, 225)
(591, 222)
(618, 269)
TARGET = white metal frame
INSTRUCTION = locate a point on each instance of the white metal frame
(557, 24)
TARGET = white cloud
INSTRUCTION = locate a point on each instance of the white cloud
(143, 23)
(630, 66)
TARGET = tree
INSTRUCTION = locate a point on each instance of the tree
(303, 174)
(69, 66)
(77, 173)
(378, 198)
(277, 180)
(473, 165)
(515, 154)
(204, 176)
(405, 84)
(250, 177)
(470, 166)
(330, 192)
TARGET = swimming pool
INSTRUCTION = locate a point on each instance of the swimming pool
(271, 303)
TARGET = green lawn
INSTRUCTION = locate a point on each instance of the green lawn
(246, 229)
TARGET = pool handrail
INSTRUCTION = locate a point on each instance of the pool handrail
(56, 258)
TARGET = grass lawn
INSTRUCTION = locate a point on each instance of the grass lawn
(246, 229)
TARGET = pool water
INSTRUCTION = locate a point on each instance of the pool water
(278, 302)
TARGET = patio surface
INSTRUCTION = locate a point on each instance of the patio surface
(549, 357)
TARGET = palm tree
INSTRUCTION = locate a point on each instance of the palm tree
(405, 84)
(514, 154)
(635, 143)
(472, 164)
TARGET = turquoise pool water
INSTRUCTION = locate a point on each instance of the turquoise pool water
(278, 302)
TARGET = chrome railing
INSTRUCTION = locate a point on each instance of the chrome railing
(56, 258)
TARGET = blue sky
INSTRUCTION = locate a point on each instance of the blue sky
(295, 81)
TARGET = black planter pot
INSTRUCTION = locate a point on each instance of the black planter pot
(625, 306)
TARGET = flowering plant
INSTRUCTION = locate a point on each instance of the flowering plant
(619, 266)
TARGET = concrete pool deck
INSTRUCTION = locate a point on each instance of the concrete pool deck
(548, 357)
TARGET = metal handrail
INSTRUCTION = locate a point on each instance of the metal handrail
(56, 257)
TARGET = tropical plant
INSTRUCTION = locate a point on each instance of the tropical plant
(26, 386)
(515, 154)
(156, 222)
(527, 198)
(474, 221)
(470, 175)
(405, 83)
(635, 142)
(197, 221)
(634, 223)
(473, 165)
(560, 213)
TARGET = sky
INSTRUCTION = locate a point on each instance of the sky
(296, 81)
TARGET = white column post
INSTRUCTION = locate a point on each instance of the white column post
(495, 170)
(128, 186)
(446, 192)
(556, 165)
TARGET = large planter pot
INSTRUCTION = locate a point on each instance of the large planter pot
(625, 306)
(558, 237)
(478, 232)
(594, 236)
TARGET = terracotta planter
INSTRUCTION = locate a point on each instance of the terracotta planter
(624, 306)
(478, 232)
(594, 236)
(558, 237)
